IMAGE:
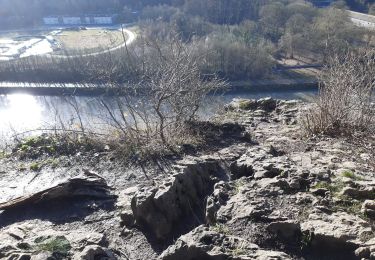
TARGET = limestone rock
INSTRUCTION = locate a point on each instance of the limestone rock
(203, 243)
(361, 192)
(286, 229)
(218, 198)
(94, 252)
(162, 209)
(336, 230)
(368, 208)
(35, 241)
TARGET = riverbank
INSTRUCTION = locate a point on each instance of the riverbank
(263, 191)
(69, 89)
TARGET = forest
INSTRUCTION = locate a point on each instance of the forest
(21, 13)
(239, 40)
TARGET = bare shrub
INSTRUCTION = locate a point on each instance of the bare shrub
(152, 114)
(344, 104)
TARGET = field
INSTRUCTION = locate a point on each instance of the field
(91, 39)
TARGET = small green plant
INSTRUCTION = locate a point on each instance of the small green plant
(35, 167)
(59, 245)
(54, 163)
(306, 239)
(22, 167)
(240, 249)
(237, 185)
(351, 175)
(348, 205)
(3, 155)
(333, 187)
(220, 228)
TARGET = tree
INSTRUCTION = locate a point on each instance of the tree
(333, 30)
(272, 20)
(294, 37)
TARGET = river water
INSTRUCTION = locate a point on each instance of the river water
(24, 113)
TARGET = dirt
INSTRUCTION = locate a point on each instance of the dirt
(89, 39)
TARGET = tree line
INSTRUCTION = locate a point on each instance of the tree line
(236, 39)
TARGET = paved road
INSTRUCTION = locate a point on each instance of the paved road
(363, 20)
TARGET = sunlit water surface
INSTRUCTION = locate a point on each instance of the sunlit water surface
(23, 113)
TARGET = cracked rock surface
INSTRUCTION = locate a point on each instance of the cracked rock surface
(276, 195)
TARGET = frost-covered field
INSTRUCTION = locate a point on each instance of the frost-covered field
(24, 46)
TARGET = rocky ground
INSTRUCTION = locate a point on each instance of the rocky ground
(263, 192)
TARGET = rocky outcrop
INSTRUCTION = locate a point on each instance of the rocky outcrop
(41, 241)
(337, 230)
(360, 190)
(265, 104)
(204, 243)
(279, 196)
(368, 208)
(161, 210)
(367, 250)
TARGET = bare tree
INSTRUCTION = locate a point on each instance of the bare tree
(169, 93)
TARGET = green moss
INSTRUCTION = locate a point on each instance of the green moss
(351, 175)
(35, 167)
(3, 155)
(220, 228)
(239, 250)
(348, 205)
(59, 245)
(333, 187)
(55, 145)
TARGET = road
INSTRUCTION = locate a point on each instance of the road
(362, 20)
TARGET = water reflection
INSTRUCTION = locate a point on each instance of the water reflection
(19, 112)
(22, 112)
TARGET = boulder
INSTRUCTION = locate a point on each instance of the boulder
(366, 250)
(265, 104)
(124, 203)
(218, 198)
(94, 252)
(203, 243)
(361, 192)
(368, 208)
(285, 229)
(335, 231)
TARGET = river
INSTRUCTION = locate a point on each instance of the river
(20, 113)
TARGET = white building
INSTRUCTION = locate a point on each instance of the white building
(71, 20)
(80, 20)
(103, 20)
(51, 20)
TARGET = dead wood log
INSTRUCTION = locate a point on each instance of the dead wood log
(88, 184)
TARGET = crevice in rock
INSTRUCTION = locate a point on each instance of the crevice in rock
(178, 205)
